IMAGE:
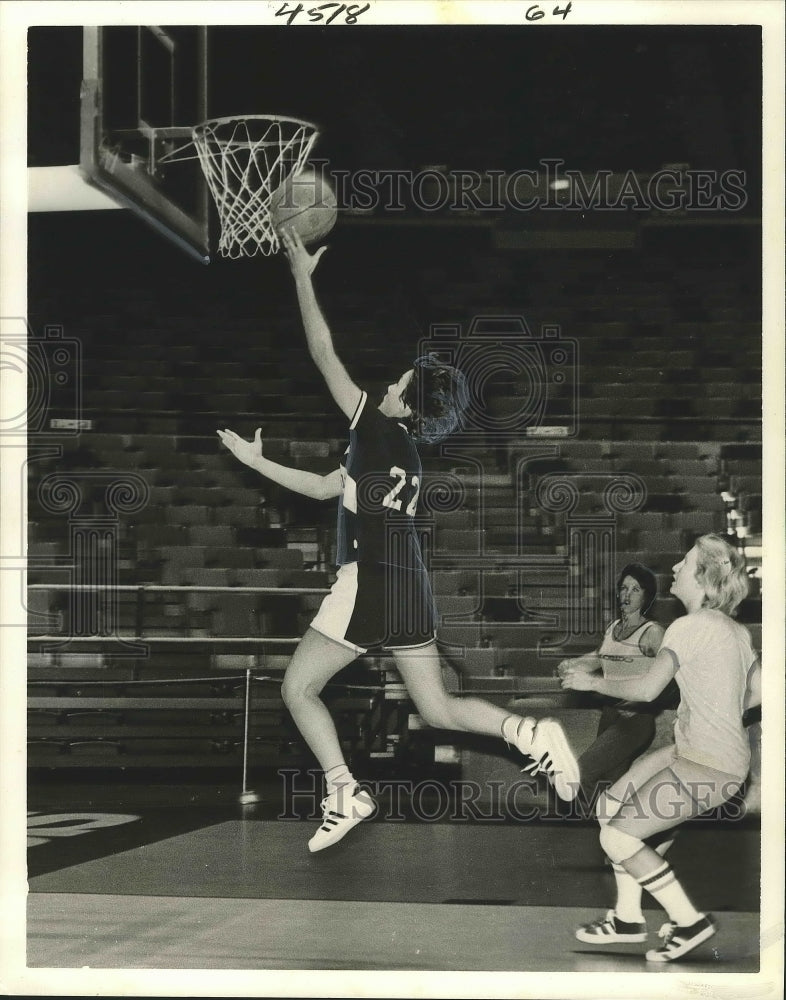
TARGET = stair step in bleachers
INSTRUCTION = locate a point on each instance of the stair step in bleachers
(204, 496)
(209, 576)
(652, 541)
(242, 516)
(453, 604)
(658, 559)
(183, 555)
(189, 514)
(675, 314)
(700, 522)
(666, 502)
(211, 535)
(700, 487)
(744, 484)
(229, 557)
(283, 558)
(156, 535)
(235, 494)
(162, 496)
(695, 466)
(497, 517)
(257, 576)
(488, 494)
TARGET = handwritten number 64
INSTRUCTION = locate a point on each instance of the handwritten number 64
(535, 13)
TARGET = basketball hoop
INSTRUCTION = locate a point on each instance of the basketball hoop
(245, 159)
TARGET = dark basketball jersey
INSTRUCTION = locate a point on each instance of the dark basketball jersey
(381, 473)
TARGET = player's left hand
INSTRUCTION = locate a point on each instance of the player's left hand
(576, 679)
(301, 262)
(247, 452)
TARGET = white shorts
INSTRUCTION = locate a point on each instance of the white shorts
(378, 605)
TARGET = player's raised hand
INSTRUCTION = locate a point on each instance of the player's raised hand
(301, 262)
(246, 452)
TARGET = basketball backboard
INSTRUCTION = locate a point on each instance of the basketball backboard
(143, 89)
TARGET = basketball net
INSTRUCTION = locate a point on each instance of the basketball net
(244, 161)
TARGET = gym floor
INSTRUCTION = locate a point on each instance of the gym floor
(139, 876)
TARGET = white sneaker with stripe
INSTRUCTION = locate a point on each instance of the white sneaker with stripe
(342, 809)
(678, 941)
(553, 757)
(611, 930)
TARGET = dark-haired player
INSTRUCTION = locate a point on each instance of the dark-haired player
(382, 595)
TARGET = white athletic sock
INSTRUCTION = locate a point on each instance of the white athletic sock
(629, 891)
(672, 897)
(512, 730)
(628, 907)
(338, 777)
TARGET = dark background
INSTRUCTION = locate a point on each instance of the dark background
(478, 97)
(618, 98)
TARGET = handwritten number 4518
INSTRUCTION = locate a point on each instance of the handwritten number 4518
(326, 12)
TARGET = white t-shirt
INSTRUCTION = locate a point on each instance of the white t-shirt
(713, 655)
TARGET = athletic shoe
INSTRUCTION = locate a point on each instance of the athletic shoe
(611, 930)
(341, 810)
(553, 757)
(678, 941)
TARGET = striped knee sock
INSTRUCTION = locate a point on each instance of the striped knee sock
(663, 885)
(629, 890)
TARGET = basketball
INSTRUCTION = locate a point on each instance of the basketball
(306, 203)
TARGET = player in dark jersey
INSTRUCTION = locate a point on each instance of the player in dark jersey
(382, 595)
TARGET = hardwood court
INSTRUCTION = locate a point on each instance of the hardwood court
(216, 887)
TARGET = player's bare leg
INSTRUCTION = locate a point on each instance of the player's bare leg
(544, 741)
(316, 660)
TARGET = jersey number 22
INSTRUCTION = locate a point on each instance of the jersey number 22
(393, 500)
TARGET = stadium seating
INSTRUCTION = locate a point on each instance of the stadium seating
(667, 389)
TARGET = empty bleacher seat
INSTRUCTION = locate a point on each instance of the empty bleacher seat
(188, 514)
(282, 558)
(234, 557)
(211, 535)
(258, 576)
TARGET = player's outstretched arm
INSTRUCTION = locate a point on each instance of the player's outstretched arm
(589, 662)
(297, 480)
(318, 336)
(644, 688)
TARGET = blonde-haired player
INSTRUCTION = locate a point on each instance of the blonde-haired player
(713, 662)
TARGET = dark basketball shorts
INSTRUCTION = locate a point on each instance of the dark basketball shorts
(375, 605)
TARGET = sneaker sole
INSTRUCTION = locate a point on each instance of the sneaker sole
(701, 937)
(611, 938)
(557, 739)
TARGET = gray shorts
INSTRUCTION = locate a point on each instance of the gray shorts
(661, 790)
